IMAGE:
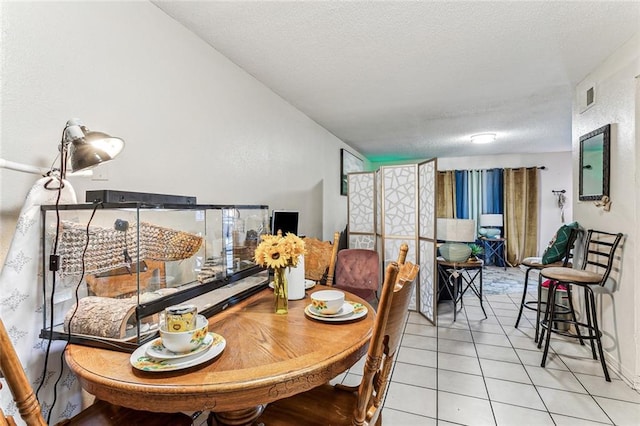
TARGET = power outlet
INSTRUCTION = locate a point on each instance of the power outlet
(101, 173)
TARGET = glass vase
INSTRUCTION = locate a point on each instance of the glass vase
(280, 291)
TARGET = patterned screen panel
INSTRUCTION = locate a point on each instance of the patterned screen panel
(399, 192)
(391, 251)
(361, 203)
(427, 274)
(427, 184)
(378, 183)
(362, 241)
(427, 203)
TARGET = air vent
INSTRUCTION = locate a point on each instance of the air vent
(587, 99)
(591, 96)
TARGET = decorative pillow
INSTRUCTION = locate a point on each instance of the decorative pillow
(558, 244)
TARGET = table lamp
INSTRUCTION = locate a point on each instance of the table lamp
(456, 232)
(489, 225)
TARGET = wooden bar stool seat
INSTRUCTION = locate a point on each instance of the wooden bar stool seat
(572, 275)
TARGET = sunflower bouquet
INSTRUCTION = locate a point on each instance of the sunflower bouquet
(279, 252)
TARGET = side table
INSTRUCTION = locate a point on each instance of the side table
(495, 251)
(458, 277)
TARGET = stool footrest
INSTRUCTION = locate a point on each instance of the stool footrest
(560, 309)
(587, 336)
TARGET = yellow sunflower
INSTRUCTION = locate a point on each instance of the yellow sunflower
(276, 257)
(276, 251)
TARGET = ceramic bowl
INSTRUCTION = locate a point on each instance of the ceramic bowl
(185, 341)
(327, 301)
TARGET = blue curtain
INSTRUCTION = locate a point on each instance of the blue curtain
(493, 191)
(462, 197)
(479, 192)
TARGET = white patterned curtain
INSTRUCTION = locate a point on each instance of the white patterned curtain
(21, 309)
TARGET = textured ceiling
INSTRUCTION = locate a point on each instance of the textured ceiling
(414, 80)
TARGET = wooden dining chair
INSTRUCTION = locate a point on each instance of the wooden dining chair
(320, 258)
(402, 256)
(361, 405)
(98, 414)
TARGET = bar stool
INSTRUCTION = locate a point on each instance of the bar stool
(535, 263)
(599, 250)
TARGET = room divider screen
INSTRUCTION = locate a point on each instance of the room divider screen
(395, 205)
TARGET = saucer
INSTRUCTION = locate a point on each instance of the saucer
(346, 309)
(359, 311)
(307, 284)
(158, 351)
(141, 361)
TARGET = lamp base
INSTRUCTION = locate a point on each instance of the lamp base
(489, 232)
(455, 252)
(493, 233)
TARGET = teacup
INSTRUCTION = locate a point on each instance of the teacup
(327, 301)
(185, 341)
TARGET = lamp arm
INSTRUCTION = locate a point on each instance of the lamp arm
(25, 168)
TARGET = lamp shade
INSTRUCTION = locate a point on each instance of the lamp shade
(456, 230)
(490, 220)
(88, 149)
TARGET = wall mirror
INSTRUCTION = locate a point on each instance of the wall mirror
(594, 164)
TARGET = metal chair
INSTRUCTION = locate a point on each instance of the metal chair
(598, 258)
(350, 405)
(536, 264)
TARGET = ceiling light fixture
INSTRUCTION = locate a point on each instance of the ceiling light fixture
(483, 138)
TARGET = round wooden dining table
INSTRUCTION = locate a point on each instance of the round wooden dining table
(267, 357)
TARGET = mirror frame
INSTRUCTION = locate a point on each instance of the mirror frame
(605, 131)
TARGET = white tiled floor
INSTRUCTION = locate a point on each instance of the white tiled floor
(477, 371)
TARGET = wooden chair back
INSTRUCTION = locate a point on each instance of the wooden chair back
(320, 258)
(392, 312)
(6, 420)
(18, 383)
(99, 414)
(402, 256)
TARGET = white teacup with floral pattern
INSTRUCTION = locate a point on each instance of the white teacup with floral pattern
(327, 302)
(185, 341)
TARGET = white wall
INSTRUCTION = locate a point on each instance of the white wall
(617, 100)
(556, 176)
(193, 122)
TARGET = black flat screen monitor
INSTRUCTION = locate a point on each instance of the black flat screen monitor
(287, 221)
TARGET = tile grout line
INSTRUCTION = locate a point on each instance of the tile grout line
(572, 373)
(523, 365)
(563, 390)
(484, 381)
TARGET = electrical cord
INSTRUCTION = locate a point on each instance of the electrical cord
(54, 265)
(53, 280)
(77, 299)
